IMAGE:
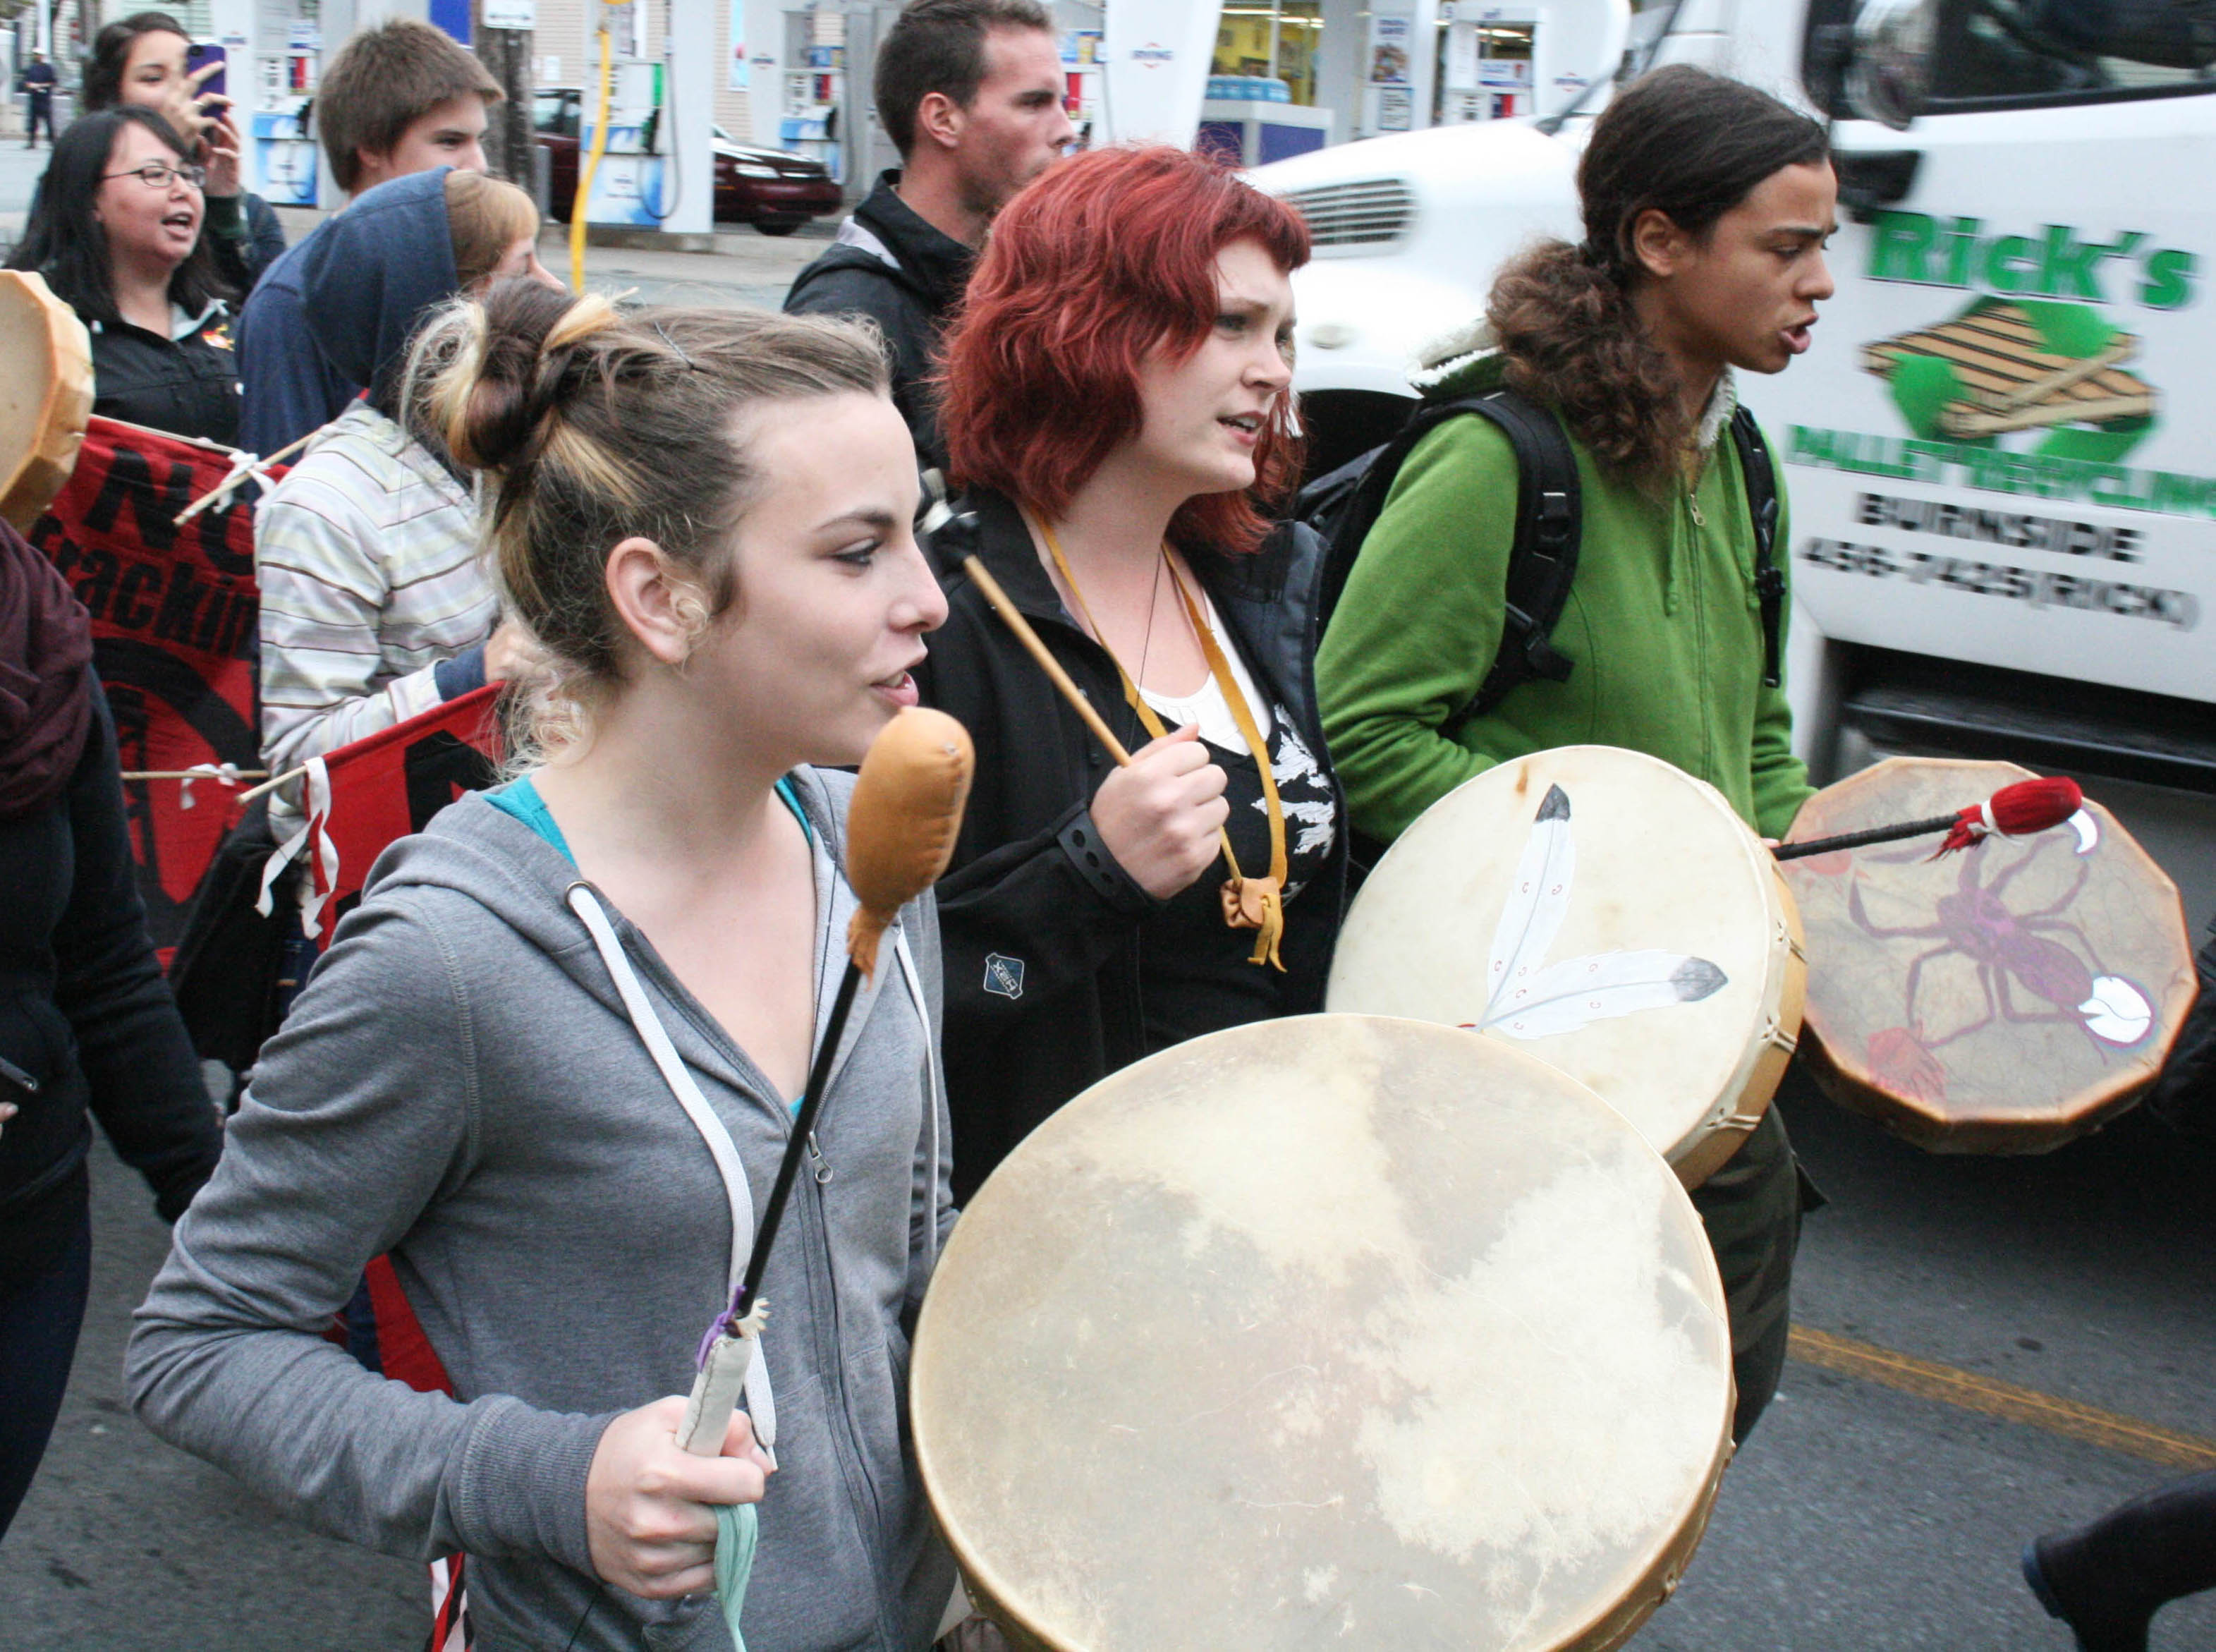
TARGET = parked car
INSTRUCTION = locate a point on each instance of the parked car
(775, 192)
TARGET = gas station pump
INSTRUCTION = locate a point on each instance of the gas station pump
(646, 157)
(815, 95)
(272, 64)
(1485, 61)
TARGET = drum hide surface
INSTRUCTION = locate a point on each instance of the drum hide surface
(2005, 998)
(1336, 1331)
(45, 395)
(1610, 914)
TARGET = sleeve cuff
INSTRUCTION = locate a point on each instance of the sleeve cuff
(227, 217)
(523, 1483)
(1080, 841)
(463, 675)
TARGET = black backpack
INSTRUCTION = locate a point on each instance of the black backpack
(1344, 505)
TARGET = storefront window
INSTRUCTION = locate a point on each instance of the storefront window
(1484, 71)
(1271, 40)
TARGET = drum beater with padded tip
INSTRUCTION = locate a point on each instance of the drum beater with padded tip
(900, 827)
(2015, 811)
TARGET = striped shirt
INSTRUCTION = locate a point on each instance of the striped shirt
(366, 553)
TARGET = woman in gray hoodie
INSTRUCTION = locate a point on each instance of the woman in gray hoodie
(550, 1063)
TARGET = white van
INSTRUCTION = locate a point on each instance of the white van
(2000, 451)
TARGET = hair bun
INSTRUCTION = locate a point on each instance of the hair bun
(492, 369)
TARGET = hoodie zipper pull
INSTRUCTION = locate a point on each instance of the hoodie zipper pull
(822, 1170)
(1693, 504)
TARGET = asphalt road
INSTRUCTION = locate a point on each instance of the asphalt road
(1859, 1518)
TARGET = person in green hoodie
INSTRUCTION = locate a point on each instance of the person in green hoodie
(1707, 204)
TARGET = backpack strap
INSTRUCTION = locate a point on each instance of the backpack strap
(1761, 477)
(1344, 505)
(1543, 559)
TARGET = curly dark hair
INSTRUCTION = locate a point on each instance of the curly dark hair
(1682, 142)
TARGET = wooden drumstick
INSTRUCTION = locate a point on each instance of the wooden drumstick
(2015, 811)
(1022, 628)
(901, 826)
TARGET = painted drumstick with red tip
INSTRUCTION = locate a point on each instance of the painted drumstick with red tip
(2016, 811)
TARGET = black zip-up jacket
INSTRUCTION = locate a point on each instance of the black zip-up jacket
(85, 1015)
(187, 386)
(909, 298)
(1019, 887)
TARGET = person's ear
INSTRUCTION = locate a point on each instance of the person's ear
(939, 119)
(371, 167)
(1659, 244)
(656, 600)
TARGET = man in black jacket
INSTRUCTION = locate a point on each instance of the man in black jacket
(39, 80)
(970, 92)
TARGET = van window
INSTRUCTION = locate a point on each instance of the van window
(2018, 52)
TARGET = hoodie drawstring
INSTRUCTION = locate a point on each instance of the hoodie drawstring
(761, 1403)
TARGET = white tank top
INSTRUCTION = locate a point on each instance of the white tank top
(1207, 705)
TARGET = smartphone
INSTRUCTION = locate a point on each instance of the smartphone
(198, 56)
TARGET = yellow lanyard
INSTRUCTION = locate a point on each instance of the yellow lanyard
(1248, 903)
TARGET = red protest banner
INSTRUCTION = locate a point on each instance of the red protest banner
(174, 611)
(362, 796)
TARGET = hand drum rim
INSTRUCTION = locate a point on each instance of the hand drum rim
(58, 349)
(1831, 1037)
(1107, 1232)
(1746, 1055)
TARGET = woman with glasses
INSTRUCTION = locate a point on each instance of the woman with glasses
(143, 60)
(116, 232)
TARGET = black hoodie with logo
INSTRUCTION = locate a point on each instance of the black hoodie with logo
(186, 384)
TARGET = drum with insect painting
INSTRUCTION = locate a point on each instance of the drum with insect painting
(1333, 1331)
(1609, 914)
(2004, 998)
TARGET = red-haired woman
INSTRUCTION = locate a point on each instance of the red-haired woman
(1119, 415)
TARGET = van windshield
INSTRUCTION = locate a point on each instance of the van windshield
(1990, 51)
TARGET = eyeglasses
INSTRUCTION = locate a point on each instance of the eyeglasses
(157, 175)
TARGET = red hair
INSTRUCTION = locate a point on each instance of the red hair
(1104, 258)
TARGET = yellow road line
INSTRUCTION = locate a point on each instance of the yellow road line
(2008, 1401)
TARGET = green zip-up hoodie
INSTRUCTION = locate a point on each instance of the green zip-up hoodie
(1662, 624)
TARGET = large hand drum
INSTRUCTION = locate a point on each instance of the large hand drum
(1331, 1332)
(1609, 914)
(2003, 999)
(45, 395)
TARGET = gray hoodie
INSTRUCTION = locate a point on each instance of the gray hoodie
(461, 1086)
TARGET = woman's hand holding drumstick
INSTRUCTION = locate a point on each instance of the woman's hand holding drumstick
(1160, 813)
(657, 1514)
(651, 1506)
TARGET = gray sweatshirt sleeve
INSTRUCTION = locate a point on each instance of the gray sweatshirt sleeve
(362, 1111)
